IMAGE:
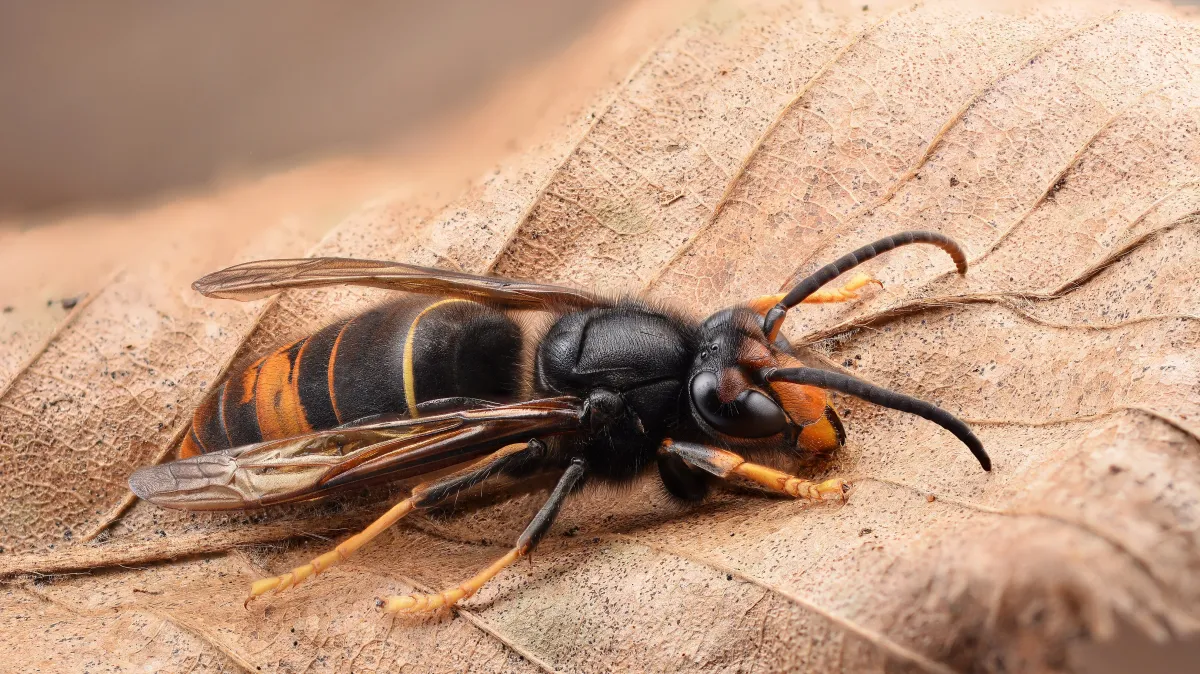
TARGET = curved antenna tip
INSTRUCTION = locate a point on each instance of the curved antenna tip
(976, 448)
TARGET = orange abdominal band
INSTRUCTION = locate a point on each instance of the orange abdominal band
(277, 397)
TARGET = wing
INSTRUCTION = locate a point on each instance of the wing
(316, 464)
(253, 280)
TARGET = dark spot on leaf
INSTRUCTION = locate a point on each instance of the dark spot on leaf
(1057, 186)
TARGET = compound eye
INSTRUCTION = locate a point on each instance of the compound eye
(750, 415)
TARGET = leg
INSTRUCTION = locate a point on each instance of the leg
(846, 293)
(525, 544)
(422, 496)
(724, 464)
(806, 287)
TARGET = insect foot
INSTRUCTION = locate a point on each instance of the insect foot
(422, 603)
(834, 489)
(335, 556)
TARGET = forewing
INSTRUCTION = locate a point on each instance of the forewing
(253, 280)
(316, 464)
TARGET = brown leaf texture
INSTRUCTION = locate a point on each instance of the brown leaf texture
(1059, 144)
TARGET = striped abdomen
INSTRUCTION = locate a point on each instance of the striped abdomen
(382, 361)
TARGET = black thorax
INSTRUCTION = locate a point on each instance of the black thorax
(630, 364)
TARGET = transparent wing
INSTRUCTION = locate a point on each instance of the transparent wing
(253, 280)
(316, 464)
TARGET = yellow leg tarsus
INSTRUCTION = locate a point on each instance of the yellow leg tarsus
(328, 559)
(285, 581)
(829, 489)
(861, 280)
(421, 603)
(324, 561)
(263, 585)
(845, 293)
(779, 481)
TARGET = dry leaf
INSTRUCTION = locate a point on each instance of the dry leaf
(1058, 144)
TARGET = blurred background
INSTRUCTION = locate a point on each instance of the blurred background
(136, 132)
(104, 105)
(107, 103)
